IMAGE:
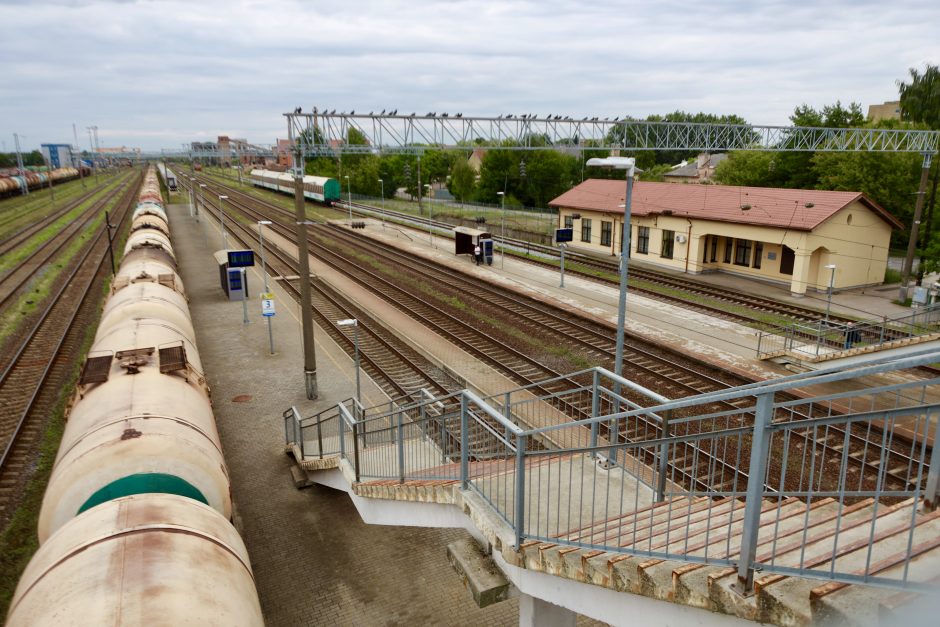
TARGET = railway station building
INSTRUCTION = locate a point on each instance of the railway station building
(785, 236)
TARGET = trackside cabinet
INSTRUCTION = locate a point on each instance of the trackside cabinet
(232, 274)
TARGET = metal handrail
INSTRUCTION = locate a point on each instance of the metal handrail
(419, 441)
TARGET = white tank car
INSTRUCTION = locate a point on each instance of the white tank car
(149, 427)
(148, 238)
(148, 559)
(152, 221)
(147, 265)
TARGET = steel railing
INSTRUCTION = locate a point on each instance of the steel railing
(812, 339)
(748, 477)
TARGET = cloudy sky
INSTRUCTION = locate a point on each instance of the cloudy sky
(156, 74)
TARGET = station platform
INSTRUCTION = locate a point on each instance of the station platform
(314, 560)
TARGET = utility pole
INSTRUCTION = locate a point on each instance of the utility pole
(19, 163)
(91, 148)
(81, 173)
(915, 228)
(303, 257)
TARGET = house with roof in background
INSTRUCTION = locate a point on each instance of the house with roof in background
(785, 236)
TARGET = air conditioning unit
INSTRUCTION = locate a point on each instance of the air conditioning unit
(680, 239)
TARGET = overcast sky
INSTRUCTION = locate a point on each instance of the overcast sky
(156, 74)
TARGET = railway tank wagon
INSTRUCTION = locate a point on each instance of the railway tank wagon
(134, 524)
(319, 188)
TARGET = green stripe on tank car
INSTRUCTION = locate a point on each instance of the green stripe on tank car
(143, 484)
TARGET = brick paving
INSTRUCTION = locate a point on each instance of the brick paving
(315, 561)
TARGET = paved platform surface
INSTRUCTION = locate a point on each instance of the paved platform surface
(315, 561)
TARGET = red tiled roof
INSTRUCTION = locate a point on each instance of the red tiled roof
(799, 209)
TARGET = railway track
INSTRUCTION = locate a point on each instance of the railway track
(721, 302)
(676, 379)
(31, 383)
(14, 280)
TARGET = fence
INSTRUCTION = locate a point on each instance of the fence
(815, 339)
(752, 477)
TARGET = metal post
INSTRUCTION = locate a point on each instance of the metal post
(464, 444)
(502, 235)
(562, 247)
(244, 296)
(19, 164)
(519, 517)
(356, 342)
(401, 451)
(915, 227)
(663, 469)
(430, 215)
(932, 490)
(595, 409)
(355, 430)
(222, 220)
(348, 198)
(264, 276)
(755, 486)
(382, 183)
(109, 226)
(310, 359)
(832, 280)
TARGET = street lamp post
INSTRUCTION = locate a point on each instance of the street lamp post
(264, 276)
(222, 220)
(382, 183)
(502, 234)
(352, 322)
(348, 197)
(832, 279)
(427, 195)
(628, 164)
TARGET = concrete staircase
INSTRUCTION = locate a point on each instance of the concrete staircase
(697, 529)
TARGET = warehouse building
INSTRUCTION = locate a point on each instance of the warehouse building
(786, 236)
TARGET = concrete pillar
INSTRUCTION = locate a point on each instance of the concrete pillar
(535, 612)
(694, 249)
(801, 264)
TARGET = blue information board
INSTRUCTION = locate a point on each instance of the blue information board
(241, 258)
(564, 235)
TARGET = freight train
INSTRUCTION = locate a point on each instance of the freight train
(135, 522)
(14, 183)
(319, 188)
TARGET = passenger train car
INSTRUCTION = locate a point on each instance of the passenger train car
(135, 522)
(319, 188)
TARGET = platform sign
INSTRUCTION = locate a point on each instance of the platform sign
(267, 304)
(564, 235)
(241, 258)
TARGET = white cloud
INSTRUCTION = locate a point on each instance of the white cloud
(156, 74)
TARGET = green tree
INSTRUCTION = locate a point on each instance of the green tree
(462, 183)
(920, 99)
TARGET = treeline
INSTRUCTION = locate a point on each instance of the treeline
(8, 159)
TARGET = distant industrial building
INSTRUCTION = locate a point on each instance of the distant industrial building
(786, 236)
(58, 155)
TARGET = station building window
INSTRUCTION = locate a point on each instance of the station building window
(606, 230)
(714, 249)
(643, 239)
(569, 222)
(742, 252)
(585, 229)
(758, 253)
(728, 243)
(668, 242)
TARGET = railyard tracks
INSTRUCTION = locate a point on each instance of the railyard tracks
(47, 356)
(834, 440)
(13, 281)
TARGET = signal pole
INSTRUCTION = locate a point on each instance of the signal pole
(303, 258)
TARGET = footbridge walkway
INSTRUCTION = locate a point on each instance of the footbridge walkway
(782, 501)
